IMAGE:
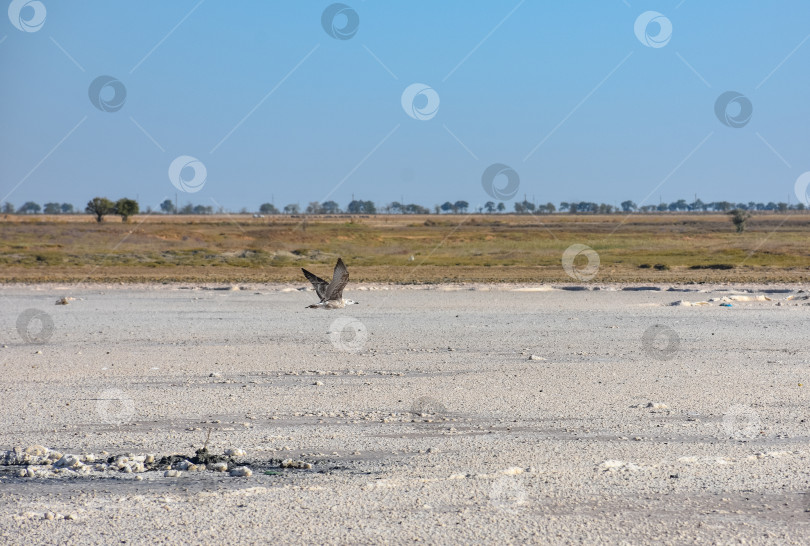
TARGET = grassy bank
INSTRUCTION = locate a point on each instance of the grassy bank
(405, 249)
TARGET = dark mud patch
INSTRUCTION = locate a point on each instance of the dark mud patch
(201, 456)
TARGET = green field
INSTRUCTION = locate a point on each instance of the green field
(404, 249)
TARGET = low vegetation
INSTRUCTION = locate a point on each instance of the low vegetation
(404, 248)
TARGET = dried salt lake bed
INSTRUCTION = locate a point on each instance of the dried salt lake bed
(441, 413)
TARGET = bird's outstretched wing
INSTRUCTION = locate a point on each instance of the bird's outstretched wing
(318, 283)
(339, 280)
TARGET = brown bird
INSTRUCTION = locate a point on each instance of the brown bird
(331, 293)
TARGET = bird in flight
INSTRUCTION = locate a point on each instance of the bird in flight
(331, 293)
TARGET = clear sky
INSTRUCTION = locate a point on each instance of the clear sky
(274, 107)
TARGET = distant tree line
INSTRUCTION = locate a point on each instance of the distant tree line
(34, 208)
(125, 207)
(168, 207)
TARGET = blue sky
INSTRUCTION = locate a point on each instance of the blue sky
(274, 107)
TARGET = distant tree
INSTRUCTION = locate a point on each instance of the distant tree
(268, 208)
(447, 206)
(800, 206)
(291, 209)
(201, 209)
(437, 209)
(520, 208)
(782, 207)
(629, 206)
(647, 208)
(489, 206)
(739, 218)
(356, 207)
(126, 207)
(67, 208)
(8, 208)
(52, 208)
(167, 206)
(662, 207)
(414, 209)
(565, 206)
(679, 205)
(100, 207)
(395, 208)
(29, 208)
(697, 205)
(361, 207)
(330, 207)
(313, 208)
(550, 208)
(461, 206)
(501, 207)
(188, 208)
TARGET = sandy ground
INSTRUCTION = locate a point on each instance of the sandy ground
(443, 414)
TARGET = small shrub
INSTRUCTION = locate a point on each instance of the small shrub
(713, 266)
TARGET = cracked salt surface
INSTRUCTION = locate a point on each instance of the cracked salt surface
(407, 439)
